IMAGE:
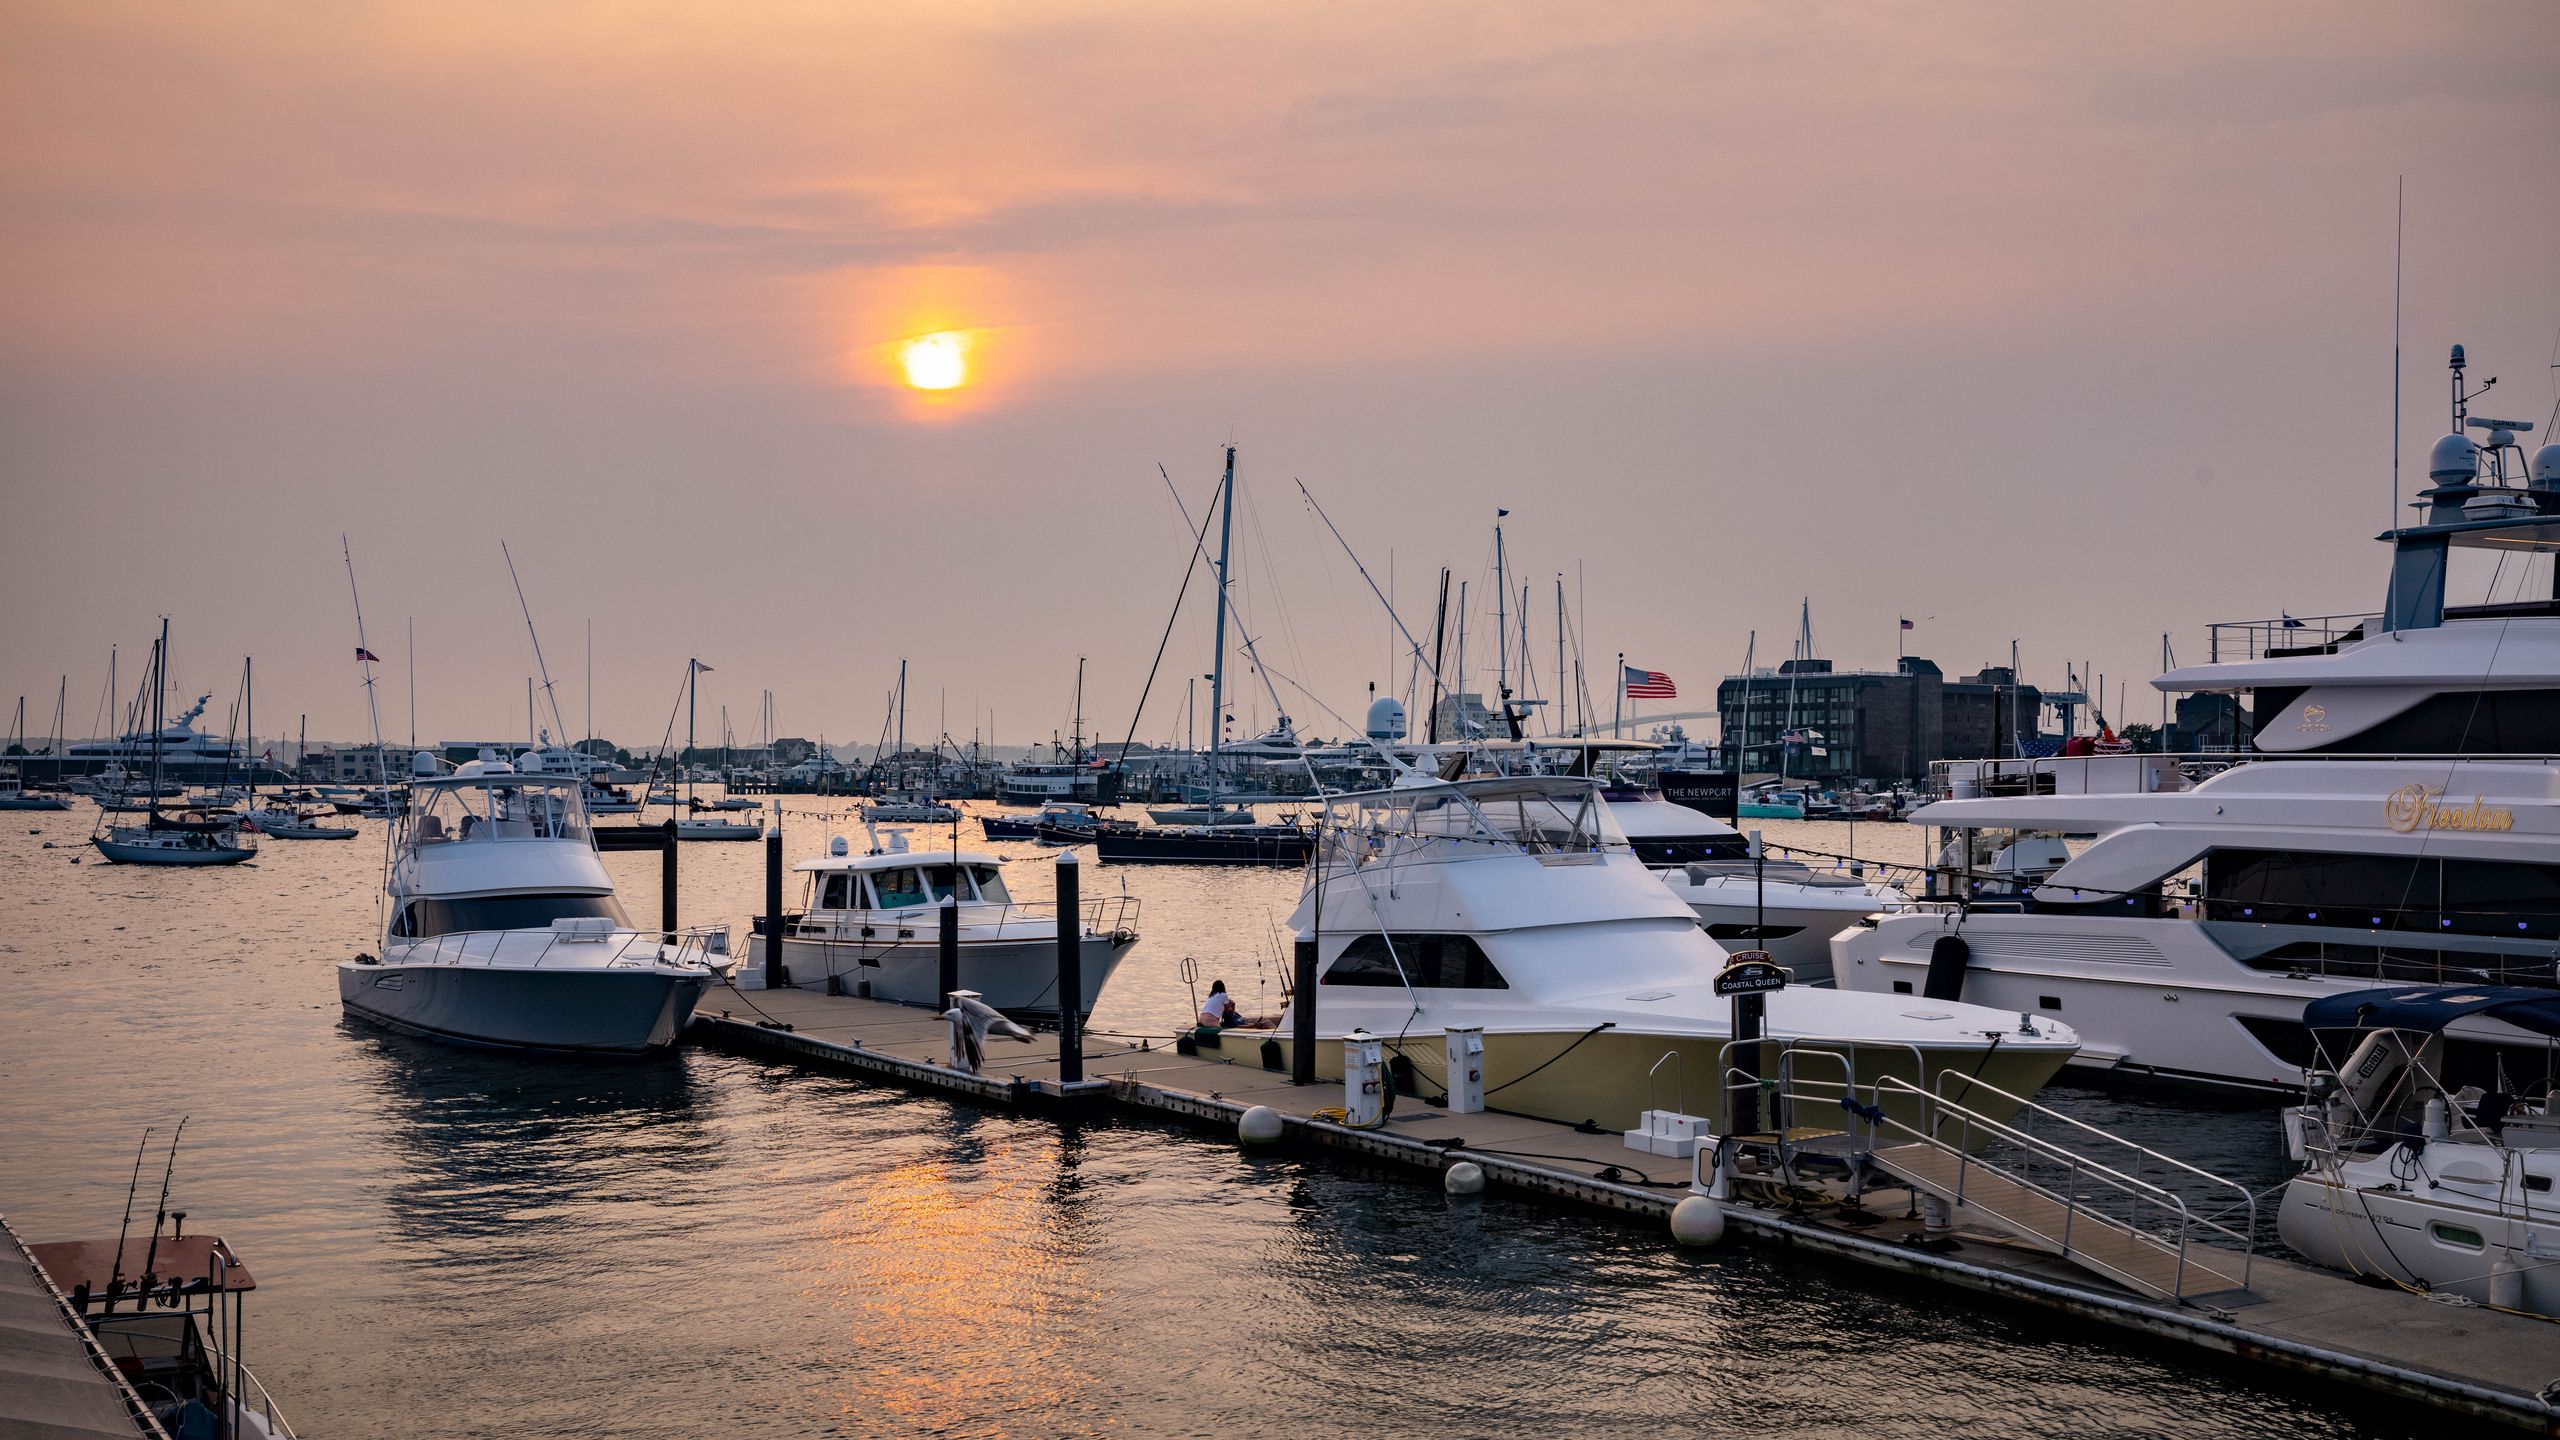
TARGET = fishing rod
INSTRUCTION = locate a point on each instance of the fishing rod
(115, 1272)
(159, 1217)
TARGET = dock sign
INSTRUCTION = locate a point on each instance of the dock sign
(1751, 973)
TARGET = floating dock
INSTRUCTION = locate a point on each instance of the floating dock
(2458, 1358)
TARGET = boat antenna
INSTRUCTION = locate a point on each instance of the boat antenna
(116, 1272)
(558, 725)
(160, 1216)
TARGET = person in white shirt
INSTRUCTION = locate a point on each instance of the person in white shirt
(1219, 1012)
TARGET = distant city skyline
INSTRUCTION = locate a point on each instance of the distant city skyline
(803, 342)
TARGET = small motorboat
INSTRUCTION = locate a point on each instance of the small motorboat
(912, 810)
(288, 823)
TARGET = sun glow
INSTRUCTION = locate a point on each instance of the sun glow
(938, 361)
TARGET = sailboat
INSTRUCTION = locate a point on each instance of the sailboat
(171, 840)
(283, 820)
(1215, 842)
(14, 794)
(688, 825)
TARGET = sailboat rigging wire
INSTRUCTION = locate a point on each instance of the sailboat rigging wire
(1421, 664)
(373, 716)
(1190, 568)
(559, 726)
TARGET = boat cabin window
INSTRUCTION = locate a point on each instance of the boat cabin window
(908, 885)
(452, 813)
(2384, 892)
(837, 892)
(425, 919)
(1428, 962)
(991, 885)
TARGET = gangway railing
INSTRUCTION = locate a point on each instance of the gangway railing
(2122, 1220)
(2126, 1243)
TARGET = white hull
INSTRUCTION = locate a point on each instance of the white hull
(1015, 976)
(717, 830)
(620, 1011)
(129, 853)
(2464, 1245)
(1793, 922)
(2152, 999)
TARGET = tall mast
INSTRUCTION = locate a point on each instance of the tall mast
(159, 682)
(413, 686)
(1461, 688)
(1501, 629)
(59, 744)
(1218, 651)
(1439, 638)
(1079, 711)
(1556, 727)
(249, 717)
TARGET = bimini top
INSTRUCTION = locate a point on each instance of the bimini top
(2431, 1008)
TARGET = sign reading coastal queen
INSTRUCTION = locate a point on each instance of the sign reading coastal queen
(1751, 972)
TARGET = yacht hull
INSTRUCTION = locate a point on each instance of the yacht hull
(187, 856)
(2423, 1239)
(1609, 1077)
(1018, 977)
(1794, 923)
(2155, 1002)
(584, 1011)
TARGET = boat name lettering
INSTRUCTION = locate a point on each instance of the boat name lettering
(2416, 807)
(2315, 719)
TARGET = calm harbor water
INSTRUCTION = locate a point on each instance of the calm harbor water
(454, 1243)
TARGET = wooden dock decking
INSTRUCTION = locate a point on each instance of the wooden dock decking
(2462, 1358)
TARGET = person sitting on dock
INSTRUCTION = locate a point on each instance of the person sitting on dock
(1220, 1012)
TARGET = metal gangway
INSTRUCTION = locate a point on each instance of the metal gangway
(2119, 1217)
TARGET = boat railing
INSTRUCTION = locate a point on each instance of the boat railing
(1011, 920)
(2142, 1183)
(2152, 772)
(706, 946)
(2294, 634)
(248, 1392)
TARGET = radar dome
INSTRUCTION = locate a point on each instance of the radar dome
(1386, 718)
(422, 763)
(2454, 458)
(2546, 469)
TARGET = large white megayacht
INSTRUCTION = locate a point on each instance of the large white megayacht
(1514, 903)
(2397, 821)
(504, 931)
(870, 924)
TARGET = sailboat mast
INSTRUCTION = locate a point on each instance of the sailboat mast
(1439, 638)
(1501, 630)
(249, 717)
(1556, 727)
(1218, 646)
(159, 683)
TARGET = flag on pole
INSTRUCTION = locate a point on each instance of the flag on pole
(1649, 685)
(364, 654)
(1907, 625)
(702, 668)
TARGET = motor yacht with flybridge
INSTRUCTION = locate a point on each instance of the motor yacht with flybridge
(870, 924)
(1513, 903)
(1787, 906)
(2393, 818)
(503, 930)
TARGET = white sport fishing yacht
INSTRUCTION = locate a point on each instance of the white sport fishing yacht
(870, 925)
(1787, 907)
(504, 930)
(2425, 1176)
(1513, 903)
(2396, 821)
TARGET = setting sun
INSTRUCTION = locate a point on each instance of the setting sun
(937, 362)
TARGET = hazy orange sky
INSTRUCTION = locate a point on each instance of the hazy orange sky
(2068, 324)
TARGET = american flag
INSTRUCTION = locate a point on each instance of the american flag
(1649, 685)
(363, 654)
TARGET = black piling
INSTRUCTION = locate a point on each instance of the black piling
(667, 877)
(947, 946)
(1070, 969)
(776, 975)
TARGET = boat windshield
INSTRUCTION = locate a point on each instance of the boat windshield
(423, 919)
(1538, 815)
(500, 808)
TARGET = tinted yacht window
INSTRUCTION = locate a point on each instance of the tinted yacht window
(424, 919)
(1430, 962)
(2455, 897)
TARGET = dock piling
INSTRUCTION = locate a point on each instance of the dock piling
(776, 975)
(1070, 969)
(947, 947)
(667, 878)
